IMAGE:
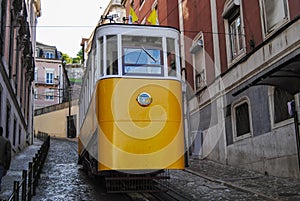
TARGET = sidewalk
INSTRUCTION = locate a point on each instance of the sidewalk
(19, 163)
(267, 187)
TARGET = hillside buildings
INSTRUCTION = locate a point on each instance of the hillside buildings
(56, 90)
(50, 77)
(55, 81)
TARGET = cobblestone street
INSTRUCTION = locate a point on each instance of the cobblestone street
(267, 186)
(150, 100)
(63, 179)
(200, 188)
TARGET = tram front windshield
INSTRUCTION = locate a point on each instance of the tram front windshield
(142, 55)
(142, 61)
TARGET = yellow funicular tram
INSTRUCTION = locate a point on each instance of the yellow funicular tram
(131, 118)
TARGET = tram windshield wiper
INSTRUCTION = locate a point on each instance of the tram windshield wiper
(149, 54)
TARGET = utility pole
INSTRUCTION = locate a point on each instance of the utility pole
(69, 117)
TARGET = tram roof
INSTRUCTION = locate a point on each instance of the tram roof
(136, 26)
(126, 27)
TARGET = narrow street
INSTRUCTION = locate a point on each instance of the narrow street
(62, 178)
(203, 94)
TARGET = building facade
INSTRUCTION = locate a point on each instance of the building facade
(17, 34)
(164, 12)
(242, 44)
(241, 62)
(50, 77)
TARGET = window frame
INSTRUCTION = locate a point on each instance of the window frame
(35, 94)
(171, 59)
(236, 39)
(49, 97)
(157, 44)
(46, 77)
(111, 63)
(49, 55)
(232, 10)
(234, 119)
(269, 31)
(198, 47)
(272, 111)
(36, 74)
(161, 65)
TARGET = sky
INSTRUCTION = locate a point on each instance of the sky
(63, 23)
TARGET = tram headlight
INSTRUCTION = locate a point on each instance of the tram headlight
(144, 99)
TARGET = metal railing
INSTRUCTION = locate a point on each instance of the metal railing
(26, 188)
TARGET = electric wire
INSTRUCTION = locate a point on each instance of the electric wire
(92, 26)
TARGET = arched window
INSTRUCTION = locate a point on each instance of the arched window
(241, 120)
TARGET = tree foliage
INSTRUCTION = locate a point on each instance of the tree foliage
(66, 58)
(74, 60)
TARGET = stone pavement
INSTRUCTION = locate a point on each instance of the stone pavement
(265, 186)
(19, 163)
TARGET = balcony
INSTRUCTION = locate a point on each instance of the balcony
(44, 82)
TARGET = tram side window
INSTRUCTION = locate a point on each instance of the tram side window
(171, 57)
(142, 55)
(101, 56)
(112, 55)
